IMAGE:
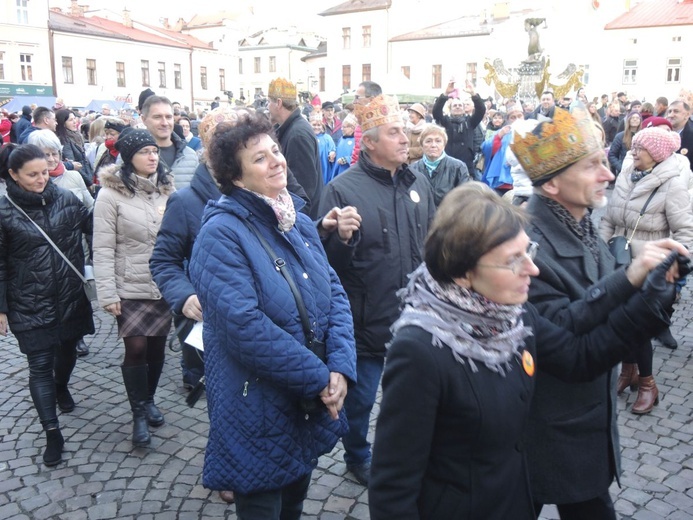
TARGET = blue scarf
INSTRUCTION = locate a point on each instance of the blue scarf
(432, 165)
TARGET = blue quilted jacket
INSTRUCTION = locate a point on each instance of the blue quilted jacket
(257, 367)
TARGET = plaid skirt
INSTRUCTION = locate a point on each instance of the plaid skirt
(144, 318)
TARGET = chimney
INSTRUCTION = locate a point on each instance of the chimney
(75, 9)
(180, 24)
(127, 20)
(165, 23)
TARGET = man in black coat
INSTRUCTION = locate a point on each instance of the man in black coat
(678, 114)
(459, 126)
(612, 122)
(396, 206)
(297, 139)
(573, 446)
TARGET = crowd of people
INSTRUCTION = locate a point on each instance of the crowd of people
(448, 250)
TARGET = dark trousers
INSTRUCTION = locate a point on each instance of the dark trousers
(598, 508)
(279, 504)
(47, 368)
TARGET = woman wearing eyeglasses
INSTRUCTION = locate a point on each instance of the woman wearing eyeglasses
(460, 371)
(127, 216)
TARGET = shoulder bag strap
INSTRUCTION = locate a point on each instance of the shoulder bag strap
(81, 276)
(642, 212)
(281, 266)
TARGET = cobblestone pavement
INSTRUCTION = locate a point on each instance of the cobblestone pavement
(104, 477)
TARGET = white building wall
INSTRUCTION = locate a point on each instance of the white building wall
(107, 52)
(288, 65)
(18, 37)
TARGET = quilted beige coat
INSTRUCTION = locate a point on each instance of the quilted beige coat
(125, 230)
(668, 213)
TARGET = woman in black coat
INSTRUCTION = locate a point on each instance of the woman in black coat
(460, 371)
(67, 130)
(41, 297)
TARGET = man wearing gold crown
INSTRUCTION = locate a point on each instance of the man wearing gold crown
(296, 137)
(573, 447)
(396, 206)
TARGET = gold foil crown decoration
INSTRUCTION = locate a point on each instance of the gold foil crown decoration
(281, 88)
(554, 145)
(380, 110)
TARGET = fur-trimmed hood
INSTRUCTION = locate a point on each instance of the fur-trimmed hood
(109, 177)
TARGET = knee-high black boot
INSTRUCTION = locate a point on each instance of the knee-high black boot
(154, 415)
(135, 379)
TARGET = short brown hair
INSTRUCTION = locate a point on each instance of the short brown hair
(470, 222)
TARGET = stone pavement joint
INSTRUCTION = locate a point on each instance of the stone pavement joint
(104, 477)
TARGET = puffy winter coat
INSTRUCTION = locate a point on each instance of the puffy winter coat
(125, 229)
(669, 211)
(179, 229)
(38, 290)
(257, 367)
(185, 163)
(72, 181)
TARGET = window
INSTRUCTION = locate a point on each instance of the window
(586, 75)
(162, 74)
(203, 77)
(177, 76)
(258, 66)
(437, 76)
(346, 37)
(23, 12)
(633, 41)
(471, 73)
(258, 91)
(346, 77)
(91, 72)
(240, 65)
(222, 80)
(273, 64)
(675, 38)
(25, 64)
(120, 73)
(68, 76)
(406, 71)
(673, 70)
(145, 73)
(321, 79)
(630, 69)
(366, 72)
(366, 29)
(2, 65)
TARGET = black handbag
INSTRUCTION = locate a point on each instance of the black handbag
(620, 245)
(316, 346)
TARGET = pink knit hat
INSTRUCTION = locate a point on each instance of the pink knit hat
(659, 143)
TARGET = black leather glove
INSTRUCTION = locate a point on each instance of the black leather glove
(656, 288)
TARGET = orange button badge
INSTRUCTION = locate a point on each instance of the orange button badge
(528, 363)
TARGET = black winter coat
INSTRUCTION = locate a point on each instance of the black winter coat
(300, 147)
(72, 152)
(460, 130)
(449, 174)
(38, 290)
(617, 152)
(395, 216)
(574, 448)
(450, 441)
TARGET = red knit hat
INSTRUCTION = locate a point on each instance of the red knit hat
(657, 121)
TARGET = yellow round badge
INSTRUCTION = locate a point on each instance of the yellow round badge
(528, 363)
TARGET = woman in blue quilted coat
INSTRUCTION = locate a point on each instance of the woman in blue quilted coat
(274, 404)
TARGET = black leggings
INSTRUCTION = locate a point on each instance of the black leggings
(47, 368)
(642, 355)
(143, 350)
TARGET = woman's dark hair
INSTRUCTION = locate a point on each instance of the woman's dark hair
(471, 220)
(14, 157)
(127, 175)
(227, 141)
(65, 135)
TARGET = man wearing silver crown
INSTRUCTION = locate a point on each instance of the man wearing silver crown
(573, 446)
(396, 206)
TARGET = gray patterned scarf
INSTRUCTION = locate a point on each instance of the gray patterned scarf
(473, 327)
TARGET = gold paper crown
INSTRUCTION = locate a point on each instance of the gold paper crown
(556, 144)
(378, 111)
(281, 88)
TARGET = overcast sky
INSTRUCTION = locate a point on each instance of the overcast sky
(274, 11)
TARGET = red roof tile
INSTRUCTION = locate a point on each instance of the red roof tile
(134, 34)
(655, 13)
